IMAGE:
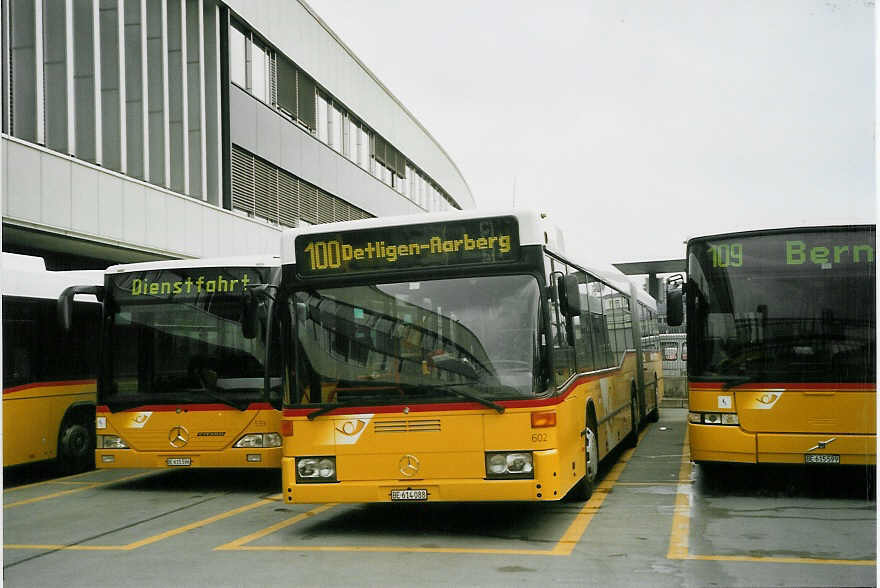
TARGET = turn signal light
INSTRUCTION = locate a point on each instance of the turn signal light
(543, 419)
(287, 428)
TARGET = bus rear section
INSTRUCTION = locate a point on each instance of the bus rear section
(187, 380)
(782, 346)
(48, 374)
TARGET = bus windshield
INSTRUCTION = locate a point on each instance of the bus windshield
(432, 341)
(783, 307)
(182, 340)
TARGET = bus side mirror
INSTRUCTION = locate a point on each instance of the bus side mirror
(569, 295)
(250, 304)
(675, 300)
(65, 303)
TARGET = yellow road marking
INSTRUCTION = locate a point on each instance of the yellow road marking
(148, 540)
(276, 527)
(46, 482)
(679, 536)
(563, 547)
(74, 490)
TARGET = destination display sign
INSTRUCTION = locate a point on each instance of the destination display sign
(821, 249)
(441, 244)
(182, 284)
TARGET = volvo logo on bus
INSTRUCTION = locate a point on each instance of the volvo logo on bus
(409, 465)
(178, 437)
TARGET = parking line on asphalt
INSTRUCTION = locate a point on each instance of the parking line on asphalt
(679, 537)
(563, 547)
(52, 481)
(152, 539)
(74, 490)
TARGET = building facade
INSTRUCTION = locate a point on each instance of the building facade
(144, 129)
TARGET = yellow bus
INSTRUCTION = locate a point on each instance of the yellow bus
(781, 333)
(184, 381)
(456, 356)
(48, 376)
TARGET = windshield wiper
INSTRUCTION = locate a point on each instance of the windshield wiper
(453, 388)
(220, 398)
(328, 407)
(733, 381)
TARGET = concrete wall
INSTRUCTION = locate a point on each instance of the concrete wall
(51, 192)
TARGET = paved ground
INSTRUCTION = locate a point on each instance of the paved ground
(655, 520)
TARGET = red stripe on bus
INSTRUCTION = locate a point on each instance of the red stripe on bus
(187, 407)
(451, 406)
(48, 385)
(785, 385)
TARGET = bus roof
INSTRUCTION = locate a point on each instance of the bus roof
(26, 276)
(781, 230)
(230, 261)
(534, 228)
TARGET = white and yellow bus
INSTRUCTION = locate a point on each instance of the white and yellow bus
(186, 381)
(48, 375)
(457, 356)
(781, 336)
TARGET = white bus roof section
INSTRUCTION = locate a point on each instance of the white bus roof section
(234, 261)
(533, 229)
(27, 277)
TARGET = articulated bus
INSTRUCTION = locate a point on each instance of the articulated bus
(189, 377)
(48, 375)
(456, 356)
(781, 333)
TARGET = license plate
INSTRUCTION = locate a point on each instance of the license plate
(421, 494)
(821, 458)
(178, 461)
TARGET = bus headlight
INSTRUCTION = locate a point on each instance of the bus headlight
(257, 440)
(510, 465)
(315, 469)
(110, 442)
(713, 418)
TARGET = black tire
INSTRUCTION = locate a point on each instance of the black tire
(76, 446)
(583, 490)
(632, 440)
(654, 415)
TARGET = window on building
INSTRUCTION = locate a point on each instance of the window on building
(238, 55)
(259, 67)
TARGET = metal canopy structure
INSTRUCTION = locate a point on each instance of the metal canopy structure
(652, 268)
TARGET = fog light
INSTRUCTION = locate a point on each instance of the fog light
(108, 458)
(254, 457)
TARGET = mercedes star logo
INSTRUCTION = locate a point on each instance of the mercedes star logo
(409, 465)
(822, 444)
(178, 437)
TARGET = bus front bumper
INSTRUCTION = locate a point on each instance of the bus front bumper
(230, 458)
(714, 443)
(546, 488)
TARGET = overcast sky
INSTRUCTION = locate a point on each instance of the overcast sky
(637, 124)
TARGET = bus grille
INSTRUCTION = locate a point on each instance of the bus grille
(407, 426)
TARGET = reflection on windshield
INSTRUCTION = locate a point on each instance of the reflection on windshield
(180, 352)
(786, 322)
(418, 341)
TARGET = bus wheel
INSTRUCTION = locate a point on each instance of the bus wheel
(633, 438)
(584, 489)
(75, 449)
(654, 415)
